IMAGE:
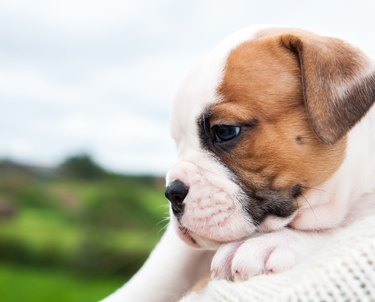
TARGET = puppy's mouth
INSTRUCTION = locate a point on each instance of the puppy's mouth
(195, 240)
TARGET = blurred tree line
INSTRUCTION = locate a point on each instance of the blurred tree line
(78, 217)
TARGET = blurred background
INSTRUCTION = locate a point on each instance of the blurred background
(85, 92)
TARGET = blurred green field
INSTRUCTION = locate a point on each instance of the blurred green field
(20, 283)
(75, 232)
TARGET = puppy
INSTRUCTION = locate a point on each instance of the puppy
(275, 132)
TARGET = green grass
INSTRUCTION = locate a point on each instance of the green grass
(44, 237)
(41, 228)
(58, 228)
(29, 284)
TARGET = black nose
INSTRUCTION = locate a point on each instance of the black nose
(176, 193)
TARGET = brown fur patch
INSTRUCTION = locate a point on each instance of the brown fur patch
(337, 92)
(262, 81)
(337, 86)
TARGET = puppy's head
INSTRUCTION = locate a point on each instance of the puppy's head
(261, 121)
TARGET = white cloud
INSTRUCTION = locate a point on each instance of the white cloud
(73, 16)
(33, 84)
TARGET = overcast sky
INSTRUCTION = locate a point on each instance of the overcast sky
(99, 76)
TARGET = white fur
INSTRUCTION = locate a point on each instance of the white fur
(213, 211)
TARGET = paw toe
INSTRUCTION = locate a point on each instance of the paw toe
(221, 263)
(280, 259)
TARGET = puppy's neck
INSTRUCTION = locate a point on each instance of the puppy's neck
(355, 177)
(360, 159)
(332, 203)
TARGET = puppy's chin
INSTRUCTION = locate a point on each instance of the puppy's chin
(193, 239)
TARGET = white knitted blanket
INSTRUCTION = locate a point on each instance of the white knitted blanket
(344, 270)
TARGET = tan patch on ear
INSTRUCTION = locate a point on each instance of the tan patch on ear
(337, 85)
(262, 81)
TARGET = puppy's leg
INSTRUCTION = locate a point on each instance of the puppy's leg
(171, 270)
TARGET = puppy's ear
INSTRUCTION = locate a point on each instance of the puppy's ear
(338, 84)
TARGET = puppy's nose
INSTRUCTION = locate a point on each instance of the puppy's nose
(176, 193)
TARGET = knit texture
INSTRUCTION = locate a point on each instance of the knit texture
(344, 270)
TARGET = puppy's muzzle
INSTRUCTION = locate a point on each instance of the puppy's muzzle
(176, 193)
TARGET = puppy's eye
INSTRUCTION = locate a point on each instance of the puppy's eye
(224, 133)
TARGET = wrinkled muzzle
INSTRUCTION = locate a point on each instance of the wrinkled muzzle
(206, 201)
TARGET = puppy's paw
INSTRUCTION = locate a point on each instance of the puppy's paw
(267, 253)
(221, 265)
